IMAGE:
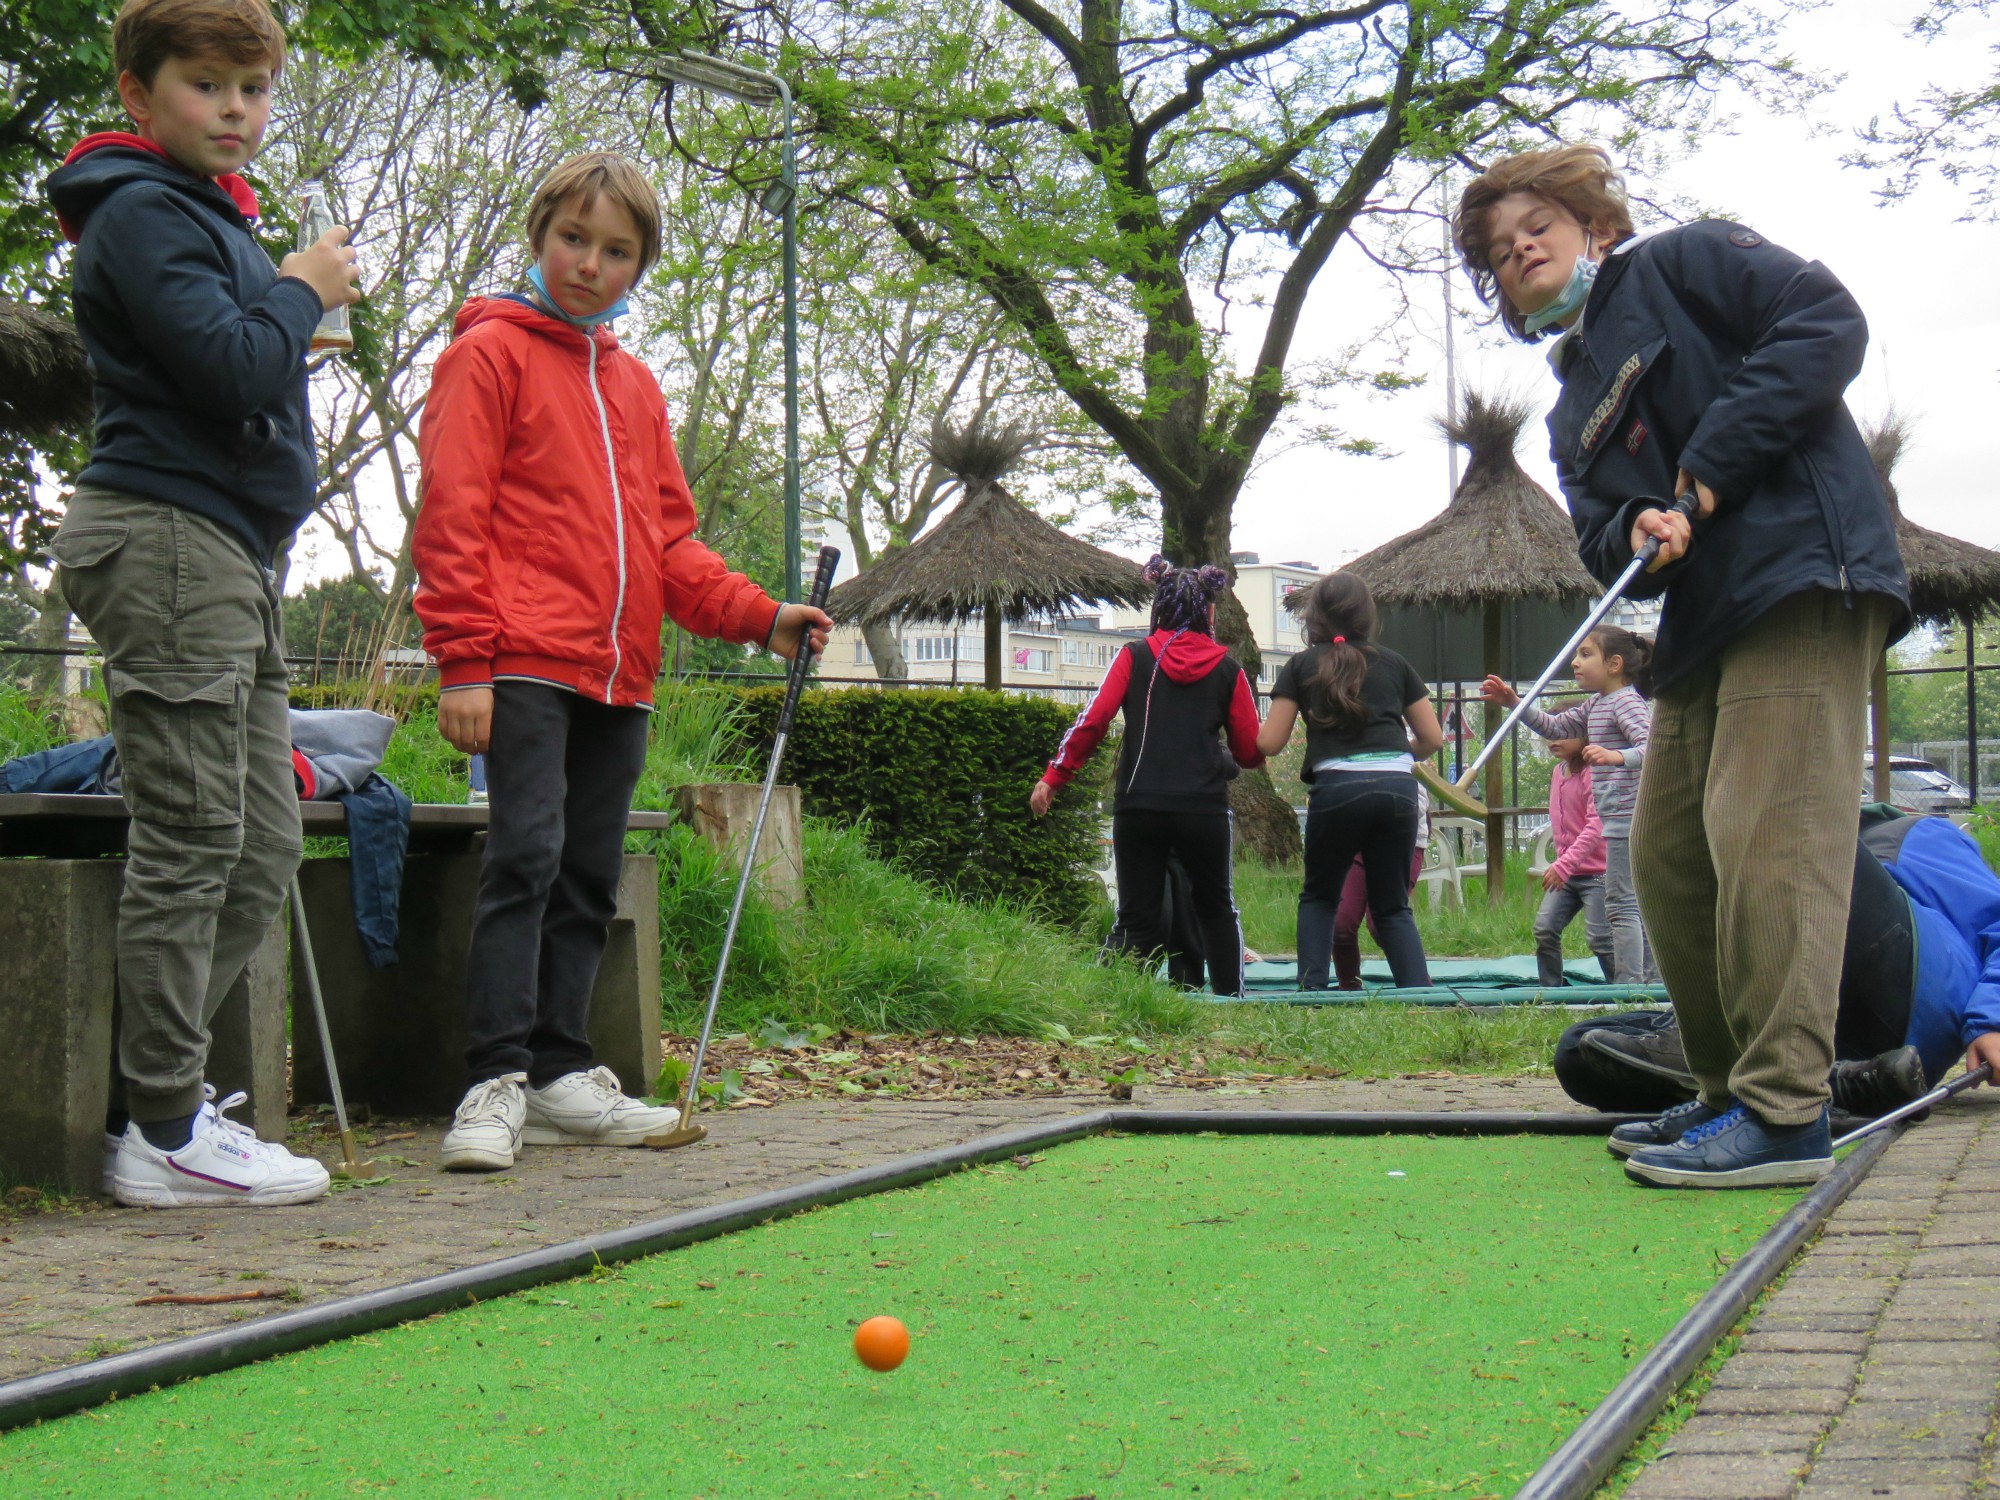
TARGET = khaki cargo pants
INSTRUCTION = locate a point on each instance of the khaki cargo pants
(194, 664)
(1743, 847)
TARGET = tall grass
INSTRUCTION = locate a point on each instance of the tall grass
(879, 950)
(29, 722)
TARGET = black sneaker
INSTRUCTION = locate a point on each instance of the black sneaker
(1658, 1053)
(1737, 1150)
(1870, 1089)
(1662, 1131)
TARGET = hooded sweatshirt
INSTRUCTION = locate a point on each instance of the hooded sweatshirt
(1179, 691)
(197, 346)
(554, 527)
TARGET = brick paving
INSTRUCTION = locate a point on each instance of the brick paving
(1872, 1374)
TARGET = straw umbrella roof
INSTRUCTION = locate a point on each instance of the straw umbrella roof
(1502, 540)
(44, 373)
(990, 554)
(1948, 577)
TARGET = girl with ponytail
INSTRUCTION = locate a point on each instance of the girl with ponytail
(1368, 718)
(1183, 697)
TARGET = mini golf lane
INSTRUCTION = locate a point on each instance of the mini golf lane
(1157, 1315)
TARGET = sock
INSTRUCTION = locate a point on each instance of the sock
(168, 1135)
(115, 1120)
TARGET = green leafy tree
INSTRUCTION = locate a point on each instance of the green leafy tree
(1953, 134)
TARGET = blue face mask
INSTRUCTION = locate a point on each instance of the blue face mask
(617, 309)
(1575, 292)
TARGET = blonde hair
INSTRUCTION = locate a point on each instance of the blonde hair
(148, 32)
(1579, 180)
(582, 179)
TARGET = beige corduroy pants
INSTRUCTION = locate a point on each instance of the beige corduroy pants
(1743, 847)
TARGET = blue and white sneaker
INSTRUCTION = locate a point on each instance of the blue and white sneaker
(1664, 1130)
(1736, 1150)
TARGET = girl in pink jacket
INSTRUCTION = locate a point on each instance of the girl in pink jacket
(1575, 881)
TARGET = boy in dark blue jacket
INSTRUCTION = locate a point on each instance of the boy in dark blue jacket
(1704, 360)
(201, 469)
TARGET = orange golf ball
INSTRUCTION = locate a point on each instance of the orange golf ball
(882, 1343)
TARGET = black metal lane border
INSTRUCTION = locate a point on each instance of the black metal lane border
(1600, 1441)
(1588, 1451)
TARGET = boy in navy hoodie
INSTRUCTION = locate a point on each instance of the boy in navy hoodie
(201, 470)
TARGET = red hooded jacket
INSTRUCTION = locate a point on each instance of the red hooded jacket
(1183, 771)
(554, 527)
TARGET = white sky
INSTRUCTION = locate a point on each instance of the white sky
(1926, 283)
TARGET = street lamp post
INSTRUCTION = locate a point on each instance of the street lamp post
(754, 86)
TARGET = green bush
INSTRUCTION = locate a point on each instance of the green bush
(941, 779)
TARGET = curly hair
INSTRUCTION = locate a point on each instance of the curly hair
(1182, 596)
(1579, 180)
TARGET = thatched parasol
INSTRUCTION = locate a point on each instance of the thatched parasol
(991, 556)
(1503, 545)
(44, 373)
(1502, 540)
(1950, 580)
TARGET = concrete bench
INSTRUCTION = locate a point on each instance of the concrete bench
(399, 1033)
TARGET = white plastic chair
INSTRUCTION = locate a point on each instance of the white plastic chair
(1439, 877)
(1545, 853)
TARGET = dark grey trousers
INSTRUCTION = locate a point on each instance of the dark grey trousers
(194, 661)
(560, 772)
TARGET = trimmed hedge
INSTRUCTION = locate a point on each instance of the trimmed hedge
(941, 779)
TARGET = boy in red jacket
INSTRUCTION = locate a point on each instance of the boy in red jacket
(555, 530)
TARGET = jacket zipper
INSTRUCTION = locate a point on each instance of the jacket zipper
(617, 515)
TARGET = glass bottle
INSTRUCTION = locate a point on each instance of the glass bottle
(315, 219)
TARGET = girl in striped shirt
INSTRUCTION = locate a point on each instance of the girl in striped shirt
(1616, 668)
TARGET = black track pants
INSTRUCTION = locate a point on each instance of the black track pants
(1140, 844)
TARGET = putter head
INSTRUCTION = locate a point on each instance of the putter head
(1450, 793)
(350, 1166)
(680, 1135)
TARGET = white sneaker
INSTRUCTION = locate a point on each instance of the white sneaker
(222, 1163)
(486, 1131)
(112, 1141)
(589, 1109)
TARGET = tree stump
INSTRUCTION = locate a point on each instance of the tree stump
(723, 813)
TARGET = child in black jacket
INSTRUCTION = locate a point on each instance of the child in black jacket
(1181, 695)
(1705, 360)
(201, 469)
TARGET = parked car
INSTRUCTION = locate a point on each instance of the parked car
(1916, 786)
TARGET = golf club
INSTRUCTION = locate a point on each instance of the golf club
(686, 1133)
(1938, 1095)
(308, 972)
(1458, 794)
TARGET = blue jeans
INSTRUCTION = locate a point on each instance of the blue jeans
(1372, 814)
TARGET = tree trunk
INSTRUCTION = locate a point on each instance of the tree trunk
(51, 634)
(884, 651)
(1971, 707)
(996, 644)
(1496, 823)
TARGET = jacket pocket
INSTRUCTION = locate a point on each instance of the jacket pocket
(178, 727)
(1601, 414)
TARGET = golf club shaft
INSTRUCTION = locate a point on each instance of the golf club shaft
(309, 973)
(1938, 1095)
(1641, 560)
(795, 683)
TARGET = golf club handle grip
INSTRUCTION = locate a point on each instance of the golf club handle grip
(1684, 505)
(795, 682)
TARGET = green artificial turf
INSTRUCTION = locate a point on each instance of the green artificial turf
(1212, 1316)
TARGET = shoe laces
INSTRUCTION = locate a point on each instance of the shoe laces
(487, 1101)
(1679, 1110)
(216, 1116)
(602, 1082)
(1729, 1119)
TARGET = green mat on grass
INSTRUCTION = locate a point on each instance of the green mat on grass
(1212, 1316)
(1513, 980)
